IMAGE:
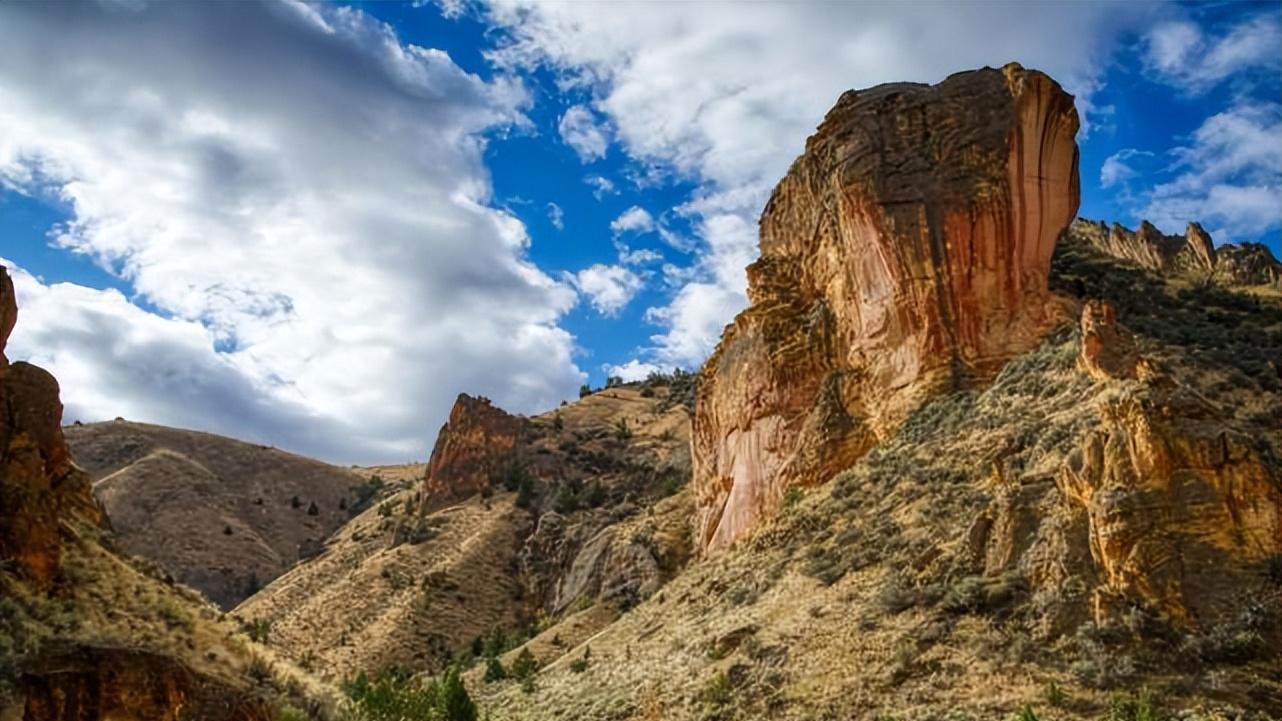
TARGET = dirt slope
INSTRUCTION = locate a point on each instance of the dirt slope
(222, 516)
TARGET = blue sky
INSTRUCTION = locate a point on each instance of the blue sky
(320, 236)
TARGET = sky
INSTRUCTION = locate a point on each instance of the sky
(313, 225)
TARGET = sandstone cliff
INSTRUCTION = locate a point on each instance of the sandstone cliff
(905, 252)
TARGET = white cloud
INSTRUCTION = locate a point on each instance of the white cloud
(601, 186)
(1116, 170)
(580, 130)
(634, 370)
(1180, 52)
(313, 202)
(633, 220)
(556, 216)
(1229, 176)
(608, 287)
(735, 132)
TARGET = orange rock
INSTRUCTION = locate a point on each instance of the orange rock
(39, 484)
(478, 439)
(1108, 349)
(906, 251)
(1180, 503)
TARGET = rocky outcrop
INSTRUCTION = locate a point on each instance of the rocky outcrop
(1181, 505)
(1108, 349)
(906, 251)
(1149, 248)
(90, 684)
(1192, 254)
(476, 441)
(39, 485)
(1248, 264)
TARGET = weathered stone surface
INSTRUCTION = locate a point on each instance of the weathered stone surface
(1181, 504)
(90, 684)
(477, 440)
(8, 309)
(1193, 254)
(1108, 349)
(1248, 264)
(39, 485)
(907, 250)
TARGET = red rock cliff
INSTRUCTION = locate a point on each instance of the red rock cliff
(905, 251)
(477, 439)
(39, 484)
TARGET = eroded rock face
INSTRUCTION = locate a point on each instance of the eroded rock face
(1248, 264)
(1108, 349)
(86, 684)
(39, 484)
(1181, 505)
(476, 440)
(1193, 254)
(906, 251)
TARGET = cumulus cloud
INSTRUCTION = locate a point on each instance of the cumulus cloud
(634, 370)
(580, 130)
(307, 210)
(734, 135)
(1181, 53)
(609, 288)
(1229, 175)
(633, 220)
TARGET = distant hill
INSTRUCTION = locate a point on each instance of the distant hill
(222, 516)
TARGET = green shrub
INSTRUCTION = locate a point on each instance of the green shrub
(716, 693)
(1131, 706)
(525, 665)
(494, 670)
(259, 630)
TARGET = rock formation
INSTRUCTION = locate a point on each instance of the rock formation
(475, 442)
(1108, 350)
(906, 251)
(1193, 254)
(39, 485)
(1181, 504)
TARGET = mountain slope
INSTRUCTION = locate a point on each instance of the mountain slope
(222, 516)
(89, 634)
(518, 520)
(950, 572)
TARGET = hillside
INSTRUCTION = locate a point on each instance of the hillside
(88, 633)
(950, 572)
(565, 515)
(222, 516)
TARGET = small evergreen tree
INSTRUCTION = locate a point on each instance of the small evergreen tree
(525, 665)
(453, 700)
(494, 670)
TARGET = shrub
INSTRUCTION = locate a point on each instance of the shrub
(567, 499)
(1053, 694)
(295, 502)
(792, 497)
(621, 430)
(494, 670)
(259, 630)
(525, 665)
(175, 616)
(716, 693)
(1132, 706)
(312, 509)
